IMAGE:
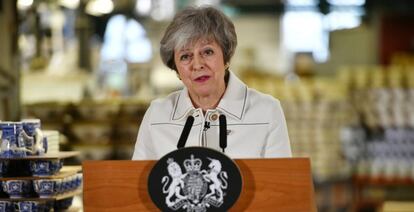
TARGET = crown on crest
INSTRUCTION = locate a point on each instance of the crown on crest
(192, 164)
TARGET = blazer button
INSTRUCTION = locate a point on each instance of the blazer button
(213, 117)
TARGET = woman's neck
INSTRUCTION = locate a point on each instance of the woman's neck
(206, 102)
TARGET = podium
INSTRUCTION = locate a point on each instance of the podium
(268, 185)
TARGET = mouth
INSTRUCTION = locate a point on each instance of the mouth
(202, 78)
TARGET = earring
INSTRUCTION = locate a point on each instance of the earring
(226, 66)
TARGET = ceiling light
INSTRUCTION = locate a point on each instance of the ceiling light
(24, 4)
(99, 7)
(143, 7)
(347, 2)
(71, 4)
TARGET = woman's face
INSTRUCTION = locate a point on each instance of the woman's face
(201, 68)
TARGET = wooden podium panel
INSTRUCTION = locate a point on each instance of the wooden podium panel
(276, 185)
(116, 186)
(268, 185)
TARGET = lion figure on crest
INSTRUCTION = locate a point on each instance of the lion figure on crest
(176, 185)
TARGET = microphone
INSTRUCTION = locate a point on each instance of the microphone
(223, 132)
(186, 131)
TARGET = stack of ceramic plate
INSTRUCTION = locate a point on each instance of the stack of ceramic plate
(52, 141)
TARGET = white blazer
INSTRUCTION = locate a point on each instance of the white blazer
(256, 126)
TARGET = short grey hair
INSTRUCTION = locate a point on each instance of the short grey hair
(194, 23)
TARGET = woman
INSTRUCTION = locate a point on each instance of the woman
(198, 45)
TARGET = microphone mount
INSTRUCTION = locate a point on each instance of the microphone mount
(189, 124)
(186, 131)
(223, 132)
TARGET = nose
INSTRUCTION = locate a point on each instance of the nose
(198, 62)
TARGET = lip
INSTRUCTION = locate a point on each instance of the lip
(202, 78)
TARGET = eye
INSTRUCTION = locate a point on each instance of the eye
(185, 57)
(208, 52)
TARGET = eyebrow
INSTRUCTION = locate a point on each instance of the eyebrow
(182, 51)
(208, 45)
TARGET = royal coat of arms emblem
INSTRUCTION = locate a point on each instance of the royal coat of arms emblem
(196, 189)
(196, 183)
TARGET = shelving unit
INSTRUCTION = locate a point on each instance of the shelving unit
(59, 155)
(361, 184)
(64, 172)
(53, 198)
(98, 130)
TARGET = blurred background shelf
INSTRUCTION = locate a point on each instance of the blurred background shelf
(53, 198)
(47, 156)
(65, 171)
